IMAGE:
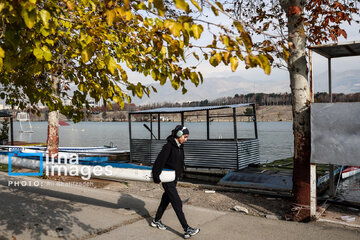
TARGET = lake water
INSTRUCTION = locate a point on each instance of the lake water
(276, 138)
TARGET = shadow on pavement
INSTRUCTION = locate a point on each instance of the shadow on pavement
(24, 211)
(48, 212)
(127, 201)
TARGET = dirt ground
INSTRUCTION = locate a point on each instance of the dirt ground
(218, 198)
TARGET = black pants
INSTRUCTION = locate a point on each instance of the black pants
(171, 196)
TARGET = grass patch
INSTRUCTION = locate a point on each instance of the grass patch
(4, 168)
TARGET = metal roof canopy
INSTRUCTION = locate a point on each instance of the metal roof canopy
(189, 109)
(335, 50)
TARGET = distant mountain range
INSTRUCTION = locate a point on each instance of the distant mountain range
(217, 87)
(342, 82)
(248, 82)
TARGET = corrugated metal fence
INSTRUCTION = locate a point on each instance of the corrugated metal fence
(223, 154)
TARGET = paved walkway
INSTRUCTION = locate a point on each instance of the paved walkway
(48, 211)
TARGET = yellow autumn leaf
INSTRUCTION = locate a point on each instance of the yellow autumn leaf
(220, 5)
(110, 15)
(197, 30)
(264, 63)
(213, 61)
(2, 53)
(196, 4)
(215, 10)
(159, 5)
(174, 27)
(38, 53)
(239, 26)
(46, 53)
(85, 56)
(234, 61)
(45, 17)
(111, 64)
(181, 4)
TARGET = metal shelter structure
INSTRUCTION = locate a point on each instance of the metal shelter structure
(234, 153)
(6, 115)
(24, 117)
(332, 114)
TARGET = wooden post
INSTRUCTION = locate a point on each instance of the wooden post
(313, 200)
(313, 182)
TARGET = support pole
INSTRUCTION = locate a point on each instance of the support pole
(12, 131)
(151, 137)
(311, 77)
(332, 180)
(182, 118)
(255, 121)
(331, 167)
(159, 126)
(313, 200)
(330, 82)
(235, 127)
(207, 124)
(129, 119)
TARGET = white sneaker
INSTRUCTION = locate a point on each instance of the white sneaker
(191, 232)
(158, 224)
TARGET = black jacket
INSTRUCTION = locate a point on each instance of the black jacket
(171, 157)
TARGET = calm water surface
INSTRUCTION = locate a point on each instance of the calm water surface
(276, 138)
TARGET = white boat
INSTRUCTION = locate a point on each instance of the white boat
(120, 171)
(29, 149)
(350, 171)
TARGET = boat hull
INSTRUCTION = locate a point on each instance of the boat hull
(118, 171)
(349, 172)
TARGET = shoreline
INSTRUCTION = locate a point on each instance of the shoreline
(275, 113)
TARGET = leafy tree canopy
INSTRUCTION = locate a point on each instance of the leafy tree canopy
(88, 43)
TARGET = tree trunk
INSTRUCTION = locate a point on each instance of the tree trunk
(53, 126)
(298, 70)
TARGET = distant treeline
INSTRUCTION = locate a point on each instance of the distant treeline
(261, 99)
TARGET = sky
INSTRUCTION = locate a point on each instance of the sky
(255, 80)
